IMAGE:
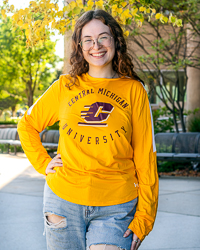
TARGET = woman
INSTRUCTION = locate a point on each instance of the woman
(101, 189)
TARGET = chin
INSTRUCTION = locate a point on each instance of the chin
(99, 64)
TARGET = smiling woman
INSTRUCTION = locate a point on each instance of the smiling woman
(98, 43)
(101, 190)
(99, 52)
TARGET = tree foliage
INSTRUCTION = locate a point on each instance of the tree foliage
(8, 102)
(24, 71)
(166, 52)
(44, 15)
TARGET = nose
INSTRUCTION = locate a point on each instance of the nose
(96, 44)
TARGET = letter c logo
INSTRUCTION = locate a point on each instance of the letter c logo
(97, 113)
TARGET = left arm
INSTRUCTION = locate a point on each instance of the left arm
(146, 167)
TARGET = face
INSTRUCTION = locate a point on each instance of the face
(100, 55)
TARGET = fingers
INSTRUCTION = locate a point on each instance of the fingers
(55, 162)
(50, 167)
(135, 243)
(57, 156)
(57, 165)
(127, 233)
(50, 171)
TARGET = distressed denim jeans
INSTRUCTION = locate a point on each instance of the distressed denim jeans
(83, 226)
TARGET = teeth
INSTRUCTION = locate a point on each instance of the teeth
(99, 54)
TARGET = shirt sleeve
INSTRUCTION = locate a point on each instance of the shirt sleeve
(41, 114)
(145, 161)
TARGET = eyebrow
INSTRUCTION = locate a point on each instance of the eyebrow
(99, 34)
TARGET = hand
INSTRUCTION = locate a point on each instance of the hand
(135, 245)
(55, 162)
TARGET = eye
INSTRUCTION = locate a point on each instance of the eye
(103, 37)
(87, 41)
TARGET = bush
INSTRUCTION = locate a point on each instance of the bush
(194, 124)
(53, 127)
(170, 166)
(4, 148)
(162, 125)
(12, 122)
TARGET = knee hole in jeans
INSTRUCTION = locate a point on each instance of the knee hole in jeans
(55, 221)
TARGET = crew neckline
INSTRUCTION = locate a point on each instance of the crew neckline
(99, 78)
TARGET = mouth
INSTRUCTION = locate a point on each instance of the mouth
(98, 55)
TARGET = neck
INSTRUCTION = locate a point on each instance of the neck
(102, 72)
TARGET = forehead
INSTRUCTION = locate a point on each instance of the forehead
(94, 28)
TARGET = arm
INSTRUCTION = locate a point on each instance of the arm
(146, 165)
(40, 115)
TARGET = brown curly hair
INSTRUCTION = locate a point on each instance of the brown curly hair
(122, 61)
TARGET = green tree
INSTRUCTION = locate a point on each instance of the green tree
(162, 51)
(8, 102)
(24, 71)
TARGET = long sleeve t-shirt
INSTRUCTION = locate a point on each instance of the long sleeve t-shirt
(106, 144)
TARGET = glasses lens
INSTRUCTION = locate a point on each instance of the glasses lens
(87, 43)
(104, 40)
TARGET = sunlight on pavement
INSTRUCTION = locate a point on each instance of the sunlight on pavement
(11, 166)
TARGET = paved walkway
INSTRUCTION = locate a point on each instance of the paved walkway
(177, 224)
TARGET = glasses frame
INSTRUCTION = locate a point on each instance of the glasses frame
(94, 43)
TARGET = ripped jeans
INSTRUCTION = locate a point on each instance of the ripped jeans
(83, 226)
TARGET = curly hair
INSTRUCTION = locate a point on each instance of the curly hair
(122, 61)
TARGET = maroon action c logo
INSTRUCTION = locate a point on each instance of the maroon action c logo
(97, 114)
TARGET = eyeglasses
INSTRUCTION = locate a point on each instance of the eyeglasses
(88, 43)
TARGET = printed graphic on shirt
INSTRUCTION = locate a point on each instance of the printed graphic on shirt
(95, 139)
(80, 95)
(113, 96)
(101, 91)
(96, 114)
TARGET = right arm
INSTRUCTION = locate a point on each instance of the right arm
(40, 115)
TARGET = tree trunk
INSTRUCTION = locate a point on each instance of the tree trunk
(30, 93)
(175, 122)
(30, 99)
(181, 116)
(13, 110)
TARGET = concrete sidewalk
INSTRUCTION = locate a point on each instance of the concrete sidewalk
(177, 224)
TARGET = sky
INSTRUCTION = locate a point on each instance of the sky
(60, 38)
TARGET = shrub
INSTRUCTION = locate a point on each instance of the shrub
(4, 148)
(194, 124)
(162, 125)
(170, 166)
(55, 126)
(12, 122)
